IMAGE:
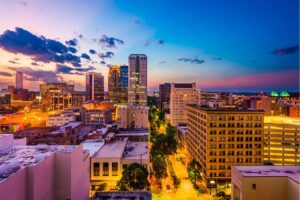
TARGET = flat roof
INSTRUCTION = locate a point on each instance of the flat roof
(136, 150)
(92, 146)
(214, 109)
(26, 155)
(183, 85)
(293, 172)
(282, 120)
(133, 133)
(63, 127)
(114, 149)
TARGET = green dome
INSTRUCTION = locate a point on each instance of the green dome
(284, 93)
(273, 93)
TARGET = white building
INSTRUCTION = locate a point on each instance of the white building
(265, 182)
(109, 162)
(60, 119)
(181, 95)
(132, 117)
(43, 172)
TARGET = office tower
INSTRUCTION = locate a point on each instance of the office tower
(137, 89)
(282, 140)
(164, 96)
(118, 83)
(94, 86)
(219, 138)
(181, 95)
(19, 80)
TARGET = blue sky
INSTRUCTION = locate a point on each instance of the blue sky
(222, 45)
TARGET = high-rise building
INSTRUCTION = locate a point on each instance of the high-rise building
(137, 88)
(164, 96)
(94, 86)
(282, 140)
(181, 95)
(118, 83)
(19, 80)
(219, 138)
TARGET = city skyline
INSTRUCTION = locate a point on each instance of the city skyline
(230, 46)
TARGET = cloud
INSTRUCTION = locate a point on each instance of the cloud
(23, 3)
(216, 58)
(13, 62)
(192, 60)
(110, 42)
(162, 62)
(147, 44)
(160, 42)
(72, 42)
(107, 54)
(34, 64)
(103, 62)
(38, 48)
(92, 51)
(5, 74)
(38, 75)
(85, 56)
(72, 49)
(286, 50)
(64, 69)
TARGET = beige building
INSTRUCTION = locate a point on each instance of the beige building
(96, 117)
(265, 182)
(282, 140)
(108, 163)
(181, 95)
(137, 87)
(60, 119)
(132, 117)
(43, 172)
(219, 138)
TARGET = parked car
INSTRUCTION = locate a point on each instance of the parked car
(220, 194)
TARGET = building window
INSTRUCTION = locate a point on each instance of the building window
(253, 186)
(96, 169)
(115, 169)
(106, 169)
(124, 166)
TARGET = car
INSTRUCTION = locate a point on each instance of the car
(226, 197)
(168, 188)
(220, 194)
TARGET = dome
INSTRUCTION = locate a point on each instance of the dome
(284, 93)
(273, 93)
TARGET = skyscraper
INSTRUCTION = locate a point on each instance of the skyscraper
(137, 89)
(164, 96)
(19, 80)
(118, 83)
(94, 86)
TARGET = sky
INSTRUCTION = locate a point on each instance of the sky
(249, 46)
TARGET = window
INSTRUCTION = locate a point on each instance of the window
(124, 166)
(106, 169)
(96, 169)
(115, 169)
(253, 186)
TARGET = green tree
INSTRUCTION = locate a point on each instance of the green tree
(159, 165)
(166, 143)
(194, 170)
(134, 177)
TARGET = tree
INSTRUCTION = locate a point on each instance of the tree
(194, 170)
(134, 177)
(166, 143)
(159, 165)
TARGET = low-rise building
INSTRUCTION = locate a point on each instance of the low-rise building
(282, 140)
(265, 182)
(60, 119)
(96, 117)
(114, 156)
(181, 133)
(42, 171)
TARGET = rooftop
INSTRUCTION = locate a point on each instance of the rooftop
(183, 85)
(133, 133)
(62, 128)
(292, 172)
(282, 120)
(112, 150)
(21, 156)
(136, 150)
(215, 109)
(92, 146)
